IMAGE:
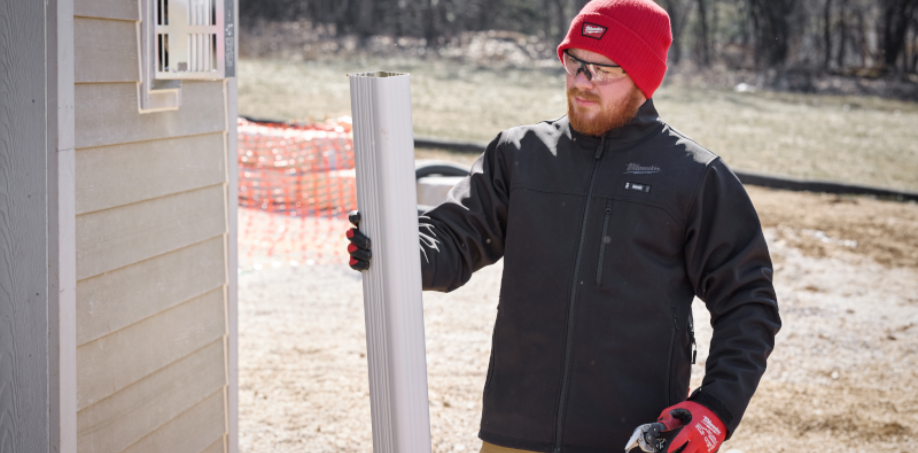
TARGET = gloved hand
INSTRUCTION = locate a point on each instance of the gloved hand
(359, 248)
(702, 431)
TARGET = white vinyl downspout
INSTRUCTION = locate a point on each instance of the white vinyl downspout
(387, 200)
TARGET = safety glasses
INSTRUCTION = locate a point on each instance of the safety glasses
(599, 74)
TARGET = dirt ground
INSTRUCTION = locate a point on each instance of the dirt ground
(842, 377)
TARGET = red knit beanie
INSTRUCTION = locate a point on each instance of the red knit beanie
(635, 34)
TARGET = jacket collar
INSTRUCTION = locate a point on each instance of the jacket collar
(643, 124)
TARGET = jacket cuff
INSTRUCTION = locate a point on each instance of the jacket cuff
(716, 406)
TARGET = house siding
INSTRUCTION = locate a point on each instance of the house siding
(139, 410)
(105, 50)
(26, 261)
(152, 233)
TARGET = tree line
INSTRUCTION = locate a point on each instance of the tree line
(859, 37)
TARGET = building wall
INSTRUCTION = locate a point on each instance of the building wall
(152, 250)
(24, 199)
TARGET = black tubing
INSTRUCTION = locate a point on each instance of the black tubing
(755, 179)
(427, 167)
(750, 178)
(263, 121)
(464, 147)
(804, 185)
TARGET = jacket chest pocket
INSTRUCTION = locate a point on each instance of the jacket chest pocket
(638, 245)
(605, 239)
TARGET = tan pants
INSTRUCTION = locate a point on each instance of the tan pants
(491, 448)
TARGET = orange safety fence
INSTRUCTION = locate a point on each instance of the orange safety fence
(296, 187)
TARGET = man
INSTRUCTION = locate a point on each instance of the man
(609, 222)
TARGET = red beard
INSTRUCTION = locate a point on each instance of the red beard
(610, 117)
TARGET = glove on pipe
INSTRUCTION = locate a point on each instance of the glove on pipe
(360, 245)
(702, 431)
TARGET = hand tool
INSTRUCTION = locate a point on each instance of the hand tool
(649, 436)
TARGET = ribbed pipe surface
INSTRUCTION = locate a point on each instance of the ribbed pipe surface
(387, 200)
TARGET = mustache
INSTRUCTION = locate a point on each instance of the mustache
(585, 95)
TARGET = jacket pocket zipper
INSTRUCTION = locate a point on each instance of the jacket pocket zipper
(691, 330)
(493, 353)
(669, 363)
(490, 371)
(602, 243)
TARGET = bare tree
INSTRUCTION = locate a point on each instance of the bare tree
(827, 34)
(843, 34)
(432, 22)
(678, 13)
(840, 35)
(561, 18)
(896, 17)
(364, 24)
(862, 48)
(913, 47)
(579, 4)
(703, 32)
(772, 30)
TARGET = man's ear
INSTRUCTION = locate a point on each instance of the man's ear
(639, 94)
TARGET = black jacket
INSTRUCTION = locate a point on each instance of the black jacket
(605, 242)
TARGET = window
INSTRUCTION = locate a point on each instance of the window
(184, 40)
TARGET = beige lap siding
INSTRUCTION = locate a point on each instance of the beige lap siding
(105, 50)
(117, 299)
(107, 114)
(151, 239)
(115, 361)
(198, 429)
(152, 290)
(219, 446)
(117, 237)
(125, 418)
(107, 9)
(109, 176)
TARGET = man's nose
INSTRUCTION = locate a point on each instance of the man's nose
(582, 81)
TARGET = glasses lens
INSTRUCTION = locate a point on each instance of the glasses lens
(605, 74)
(571, 65)
(595, 73)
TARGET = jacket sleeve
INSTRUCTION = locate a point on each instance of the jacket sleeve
(466, 232)
(729, 265)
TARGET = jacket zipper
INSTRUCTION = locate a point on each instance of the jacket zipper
(669, 363)
(490, 371)
(570, 315)
(493, 354)
(691, 329)
(602, 244)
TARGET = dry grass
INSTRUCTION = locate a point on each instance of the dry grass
(448, 100)
(857, 139)
(442, 154)
(863, 140)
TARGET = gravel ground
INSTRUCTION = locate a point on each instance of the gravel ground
(842, 377)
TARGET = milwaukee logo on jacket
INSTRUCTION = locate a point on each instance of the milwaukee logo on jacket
(593, 334)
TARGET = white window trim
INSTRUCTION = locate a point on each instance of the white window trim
(153, 95)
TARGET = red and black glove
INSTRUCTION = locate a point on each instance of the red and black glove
(360, 245)
(701, 431)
